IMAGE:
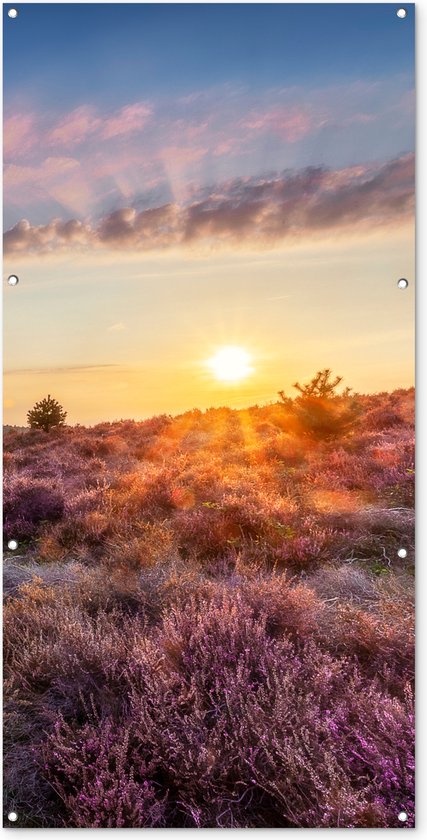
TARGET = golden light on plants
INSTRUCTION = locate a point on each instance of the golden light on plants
(231, 364)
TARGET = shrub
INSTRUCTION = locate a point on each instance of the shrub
(277, 726)
(100, 777)
(383, 417)
(325, 419)
(284, 448)
(27, 504)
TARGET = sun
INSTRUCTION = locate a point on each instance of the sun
(231, 364)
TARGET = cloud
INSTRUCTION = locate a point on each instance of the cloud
(74, 127)
(24, 237)
(58, 178)
(19, 135)
(61, 369)
(159, 227)
(17, 176)
(119, 327)
(290, 123)
(251, 211)
(85, 123)
(128, 119)
(91, 159)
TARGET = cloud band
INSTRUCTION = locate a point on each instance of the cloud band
(247, 211)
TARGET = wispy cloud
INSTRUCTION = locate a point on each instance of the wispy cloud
(119, 327)
(60, 369)
(85, 122)
(74, 128)
(127, 120)
(19, 135)
(254, 211)
(88, 160)
(290, 123)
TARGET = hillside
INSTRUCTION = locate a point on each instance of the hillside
(207, 622)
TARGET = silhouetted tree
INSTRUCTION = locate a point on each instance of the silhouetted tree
(46, 414)
(322, 385)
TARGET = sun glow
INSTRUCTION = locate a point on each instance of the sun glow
(231, 364)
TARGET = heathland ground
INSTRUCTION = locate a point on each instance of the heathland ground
(207, 620)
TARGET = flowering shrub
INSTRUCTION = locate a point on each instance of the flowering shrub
(100, 777)
(219, 716)
(383, 417)
(27, 503)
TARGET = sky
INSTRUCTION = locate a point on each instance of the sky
(180, 179)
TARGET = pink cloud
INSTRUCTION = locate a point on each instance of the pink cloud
(27, 176)
(74, 127)
(290, 123)
(58, 178)
(73, 192)
(19, 135)
(84, 123)
(128, 119)
(102, 159)
(227, 146)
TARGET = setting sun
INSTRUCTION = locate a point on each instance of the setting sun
(231, 364)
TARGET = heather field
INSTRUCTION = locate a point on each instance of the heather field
(207, 622)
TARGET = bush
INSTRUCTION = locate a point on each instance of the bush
(100, 777)
(383, 417)
(325, 419)
(27, 504)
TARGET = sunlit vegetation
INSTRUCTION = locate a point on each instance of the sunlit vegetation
(207, 622)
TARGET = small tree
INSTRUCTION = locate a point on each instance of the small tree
(46, 414)
(322, 385)
(319, 412)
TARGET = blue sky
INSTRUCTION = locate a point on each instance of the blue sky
(110, 53)
(143, 104)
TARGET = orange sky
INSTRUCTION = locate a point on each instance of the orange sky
(114, 336)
